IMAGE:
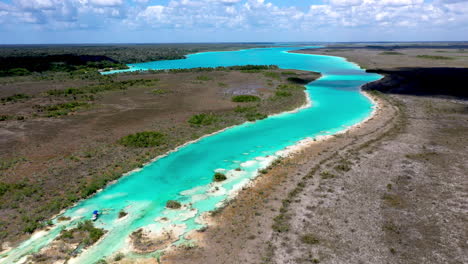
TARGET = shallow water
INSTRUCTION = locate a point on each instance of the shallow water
(186, 174)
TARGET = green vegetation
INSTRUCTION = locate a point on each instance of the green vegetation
(327, 175)
(202, 119)
(393, 200)
(14, 98)
(273, 75)
(283, 93)
(85, 231)
(309, 239)
(245, 98)
(60, 109)
(204, 78)
(290, 87)
(432, 57)
(252, 116)
(109, 85)
(173, 204)
(159, 91)
(220, 84)
(391, 53)
(143, 139)
(119, 256)
(122, 213)
(219, 177)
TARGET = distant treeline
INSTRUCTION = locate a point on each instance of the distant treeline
(22, 60)
(244, 68)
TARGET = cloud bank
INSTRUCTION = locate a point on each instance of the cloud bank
(247, 18)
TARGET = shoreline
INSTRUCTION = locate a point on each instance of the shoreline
(286, 152)
(8, 248)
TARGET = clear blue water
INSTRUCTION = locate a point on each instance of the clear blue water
(186, 174)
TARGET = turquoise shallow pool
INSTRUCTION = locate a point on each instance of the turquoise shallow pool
(186, 174)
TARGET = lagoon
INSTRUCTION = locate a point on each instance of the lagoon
(186, 174)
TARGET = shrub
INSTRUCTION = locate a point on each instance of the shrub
(283, 93)
(15, 98)
(327, 175)
(309, 239)
(204, 78)
(219, 177)
(202, 119)
(273, 75)
(290, 87)
(159, 91)
(255, 116)
(143, 139)
(245, 98)
(173, 204)
(122, 213)
(430, 57)
(119, 257)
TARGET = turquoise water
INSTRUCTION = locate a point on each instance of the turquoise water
(186, 174)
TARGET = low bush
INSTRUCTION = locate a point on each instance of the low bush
(202, 119)
(219, 177)
(253, 116)
(245, 98)
(273, 75)
(15, 98)
(204, 78)
(327, 175)
(143, 139)
(283, 93)
(431, 57)
(122, 213)
(309, 239)
(171, 204)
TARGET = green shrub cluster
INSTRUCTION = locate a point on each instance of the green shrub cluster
(204, 78)
(252, 116)
(143, 139)
(391, 53)
(92, 234)
(273, 75)
(14, 98)
(173, 204)
(309, 239)
(245, 98)
(102, 87)
(60, 109)
(290, 87)
(219, 177)
(431, 57)
(282, 93)
(10, 117)
(202, 119)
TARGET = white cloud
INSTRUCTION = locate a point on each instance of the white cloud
(106, 2)
(232, 15)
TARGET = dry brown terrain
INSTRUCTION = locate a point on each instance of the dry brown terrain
(384, 59)
(50, 162)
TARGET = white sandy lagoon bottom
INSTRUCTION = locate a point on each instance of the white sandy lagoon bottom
(186, 174)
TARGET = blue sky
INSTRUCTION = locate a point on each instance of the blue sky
(139, 21)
